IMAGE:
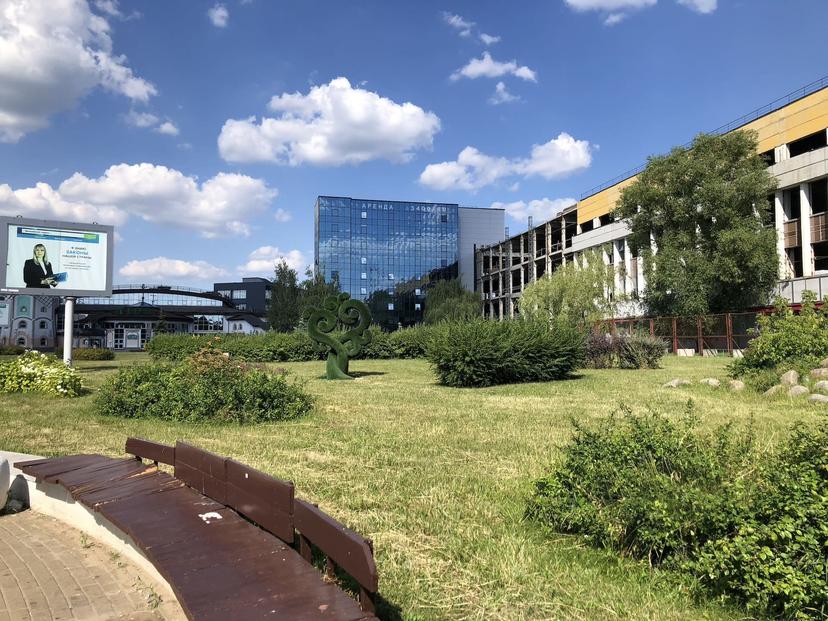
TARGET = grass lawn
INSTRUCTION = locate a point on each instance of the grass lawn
(438, 477)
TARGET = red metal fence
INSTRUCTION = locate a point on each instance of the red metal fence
(709, 335)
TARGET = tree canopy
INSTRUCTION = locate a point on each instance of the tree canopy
(576, 295)
(447, 299)
(696, 216)
(284, 309)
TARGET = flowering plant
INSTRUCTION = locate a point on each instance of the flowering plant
(38, 372)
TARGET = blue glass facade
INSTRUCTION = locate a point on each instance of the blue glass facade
(386, 252)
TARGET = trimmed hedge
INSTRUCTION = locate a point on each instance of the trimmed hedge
(12, 350)
(207, 386)
(481, 352)
(622, 351)
(287, 347)
(745, 525)
(89, 353)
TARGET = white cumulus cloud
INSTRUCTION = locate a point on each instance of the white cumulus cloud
(333, 124)
(489, 39)
(462, 26)
(473, 170)
(487, 67)
(283, 215)
(502, 95)
(218, 15)
(540, 209)
(167, 128)
(263, 260)
(617, 10)
(166, 270)
(220, 206)
(52, 54)
(141, 119)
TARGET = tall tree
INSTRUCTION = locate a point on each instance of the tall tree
(448, 300)
(697, 220)
(314, 290)
(284, 309)
(576, 295)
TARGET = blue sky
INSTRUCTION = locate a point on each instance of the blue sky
(205, 130)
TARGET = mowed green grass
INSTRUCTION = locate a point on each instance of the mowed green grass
(438, 477)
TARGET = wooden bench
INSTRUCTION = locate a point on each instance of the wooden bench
(222, 534)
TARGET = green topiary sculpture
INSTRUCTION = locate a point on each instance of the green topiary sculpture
(353, 314)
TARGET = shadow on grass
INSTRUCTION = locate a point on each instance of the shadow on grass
(354, 375)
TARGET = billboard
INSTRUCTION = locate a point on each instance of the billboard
(55, 258)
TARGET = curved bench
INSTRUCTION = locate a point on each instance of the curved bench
(221, 533)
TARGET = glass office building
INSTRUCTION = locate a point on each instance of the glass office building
(386, 252)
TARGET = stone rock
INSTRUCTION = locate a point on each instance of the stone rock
(736, 385)
(818, 399)
(797, 391)
(824, 364)
(791, 378)
(773, 390)
(710, 381)
(675, 383)
(819, 374)
(5, 481)
(821, 386)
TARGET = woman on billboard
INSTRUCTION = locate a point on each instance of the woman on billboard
(37, 271)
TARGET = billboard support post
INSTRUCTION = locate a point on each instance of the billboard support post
(68, 326)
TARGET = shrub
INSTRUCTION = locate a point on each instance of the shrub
(636, 351)
(207, 386)
(12, 350)
(787, 340)
(746, 525)
(483, 353)
(88, 353)
(37, 372)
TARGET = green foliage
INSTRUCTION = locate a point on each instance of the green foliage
(786, 340)
(575, 295)
(37, 372)
(703, 207)
(748, 526)
(624, 351)
(12, 350)
(447, 300)
(89, 353)
(483, 353)
(207, 386)
(270, 347)
(314, 290)
(284, 307)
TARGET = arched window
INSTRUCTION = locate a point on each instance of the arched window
(43, 342)
(22, 324)
(42, 325)
(21, 341)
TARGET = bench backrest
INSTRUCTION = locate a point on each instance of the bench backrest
(270, 503)
(159, 453)
(340, 545)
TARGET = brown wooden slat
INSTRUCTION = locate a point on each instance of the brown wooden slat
(202, 470)
(262, 498)
(348, 549)
(58, 465)
(154, 451)
(153, 483)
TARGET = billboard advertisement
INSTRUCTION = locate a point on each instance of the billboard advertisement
(55, 258)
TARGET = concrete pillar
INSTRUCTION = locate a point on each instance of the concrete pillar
(781, 153)
(779, 225)
(805, 230)
(628, 279)
(618, 264)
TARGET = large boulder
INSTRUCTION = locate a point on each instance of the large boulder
(824, 364)
(791, 378)
(675, 383)
(818, 399)
(819, 374)
(773, 390)
(821, 386)
(797, 391)
(736, 385)
(5, 481)
(710, 381)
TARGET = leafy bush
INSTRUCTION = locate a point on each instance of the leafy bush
(636, 351)
(37, 372)
(787, 340)
(89, 353)
(484, 353)
(207, 386)
(746, 525)
(12, 350)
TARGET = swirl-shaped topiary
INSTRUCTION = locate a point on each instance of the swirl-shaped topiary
(351, 314)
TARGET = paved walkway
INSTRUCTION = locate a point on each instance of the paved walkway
(50, 571)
